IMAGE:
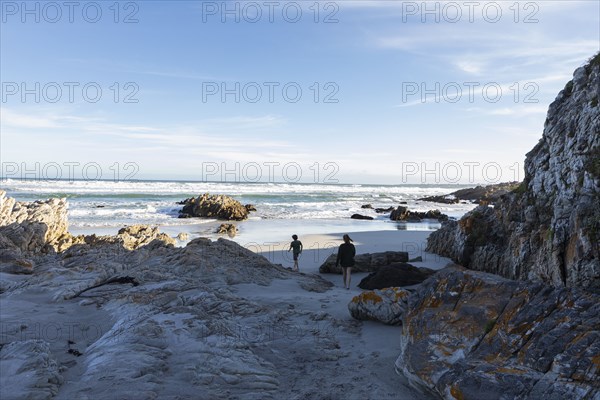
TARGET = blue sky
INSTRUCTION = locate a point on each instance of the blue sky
(380, 83)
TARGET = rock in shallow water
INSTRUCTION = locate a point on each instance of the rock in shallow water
(214, 206)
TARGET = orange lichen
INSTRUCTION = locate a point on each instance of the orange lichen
(456, 392)
(504, 370)
(399, 294)
(370, 296)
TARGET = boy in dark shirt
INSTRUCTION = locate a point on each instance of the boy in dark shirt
(296, 245)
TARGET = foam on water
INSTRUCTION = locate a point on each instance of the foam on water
(108, 204)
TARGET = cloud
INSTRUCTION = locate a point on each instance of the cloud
(19, 120)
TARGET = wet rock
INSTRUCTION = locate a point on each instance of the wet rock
(359, 216)
(229, 229)
(369, 206)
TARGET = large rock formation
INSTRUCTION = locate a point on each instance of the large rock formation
(31, 227)
(365, 262)
(549, 228)
(214, 206)
(28, 230)
(489, 194)
(472, 335)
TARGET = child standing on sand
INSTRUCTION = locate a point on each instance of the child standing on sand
(345, 258)
(296, 245)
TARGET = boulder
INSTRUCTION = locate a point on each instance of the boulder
(229, 229)
(366, 206)
(394, 275)
(183, 236)
(136, 236)
(359, 216)
(384, 210)
(387, 306)
(214, 206)
(365, 262)
(472, 335)
(548, 228)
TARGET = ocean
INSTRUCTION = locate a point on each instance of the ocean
(102, 207)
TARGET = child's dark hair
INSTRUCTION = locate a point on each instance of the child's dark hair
(295, 237)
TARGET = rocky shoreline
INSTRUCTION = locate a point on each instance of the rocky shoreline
(178, 321)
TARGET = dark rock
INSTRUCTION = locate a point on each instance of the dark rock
(365, 262)
(214, 206)
(384, 210)
(548, 228)
(489, 194)
(250, 207)
(395, 275)
(476, 335)
(402, 213)
(366, 206)
(416, 259)
(358, 216)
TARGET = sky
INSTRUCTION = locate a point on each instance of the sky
(379, 92)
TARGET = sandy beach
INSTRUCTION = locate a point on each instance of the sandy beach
(362, 367)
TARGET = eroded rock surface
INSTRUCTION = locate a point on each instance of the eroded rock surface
(31, 227)
(548, 229)
(387, 305)
(471, 335)
(214, 206)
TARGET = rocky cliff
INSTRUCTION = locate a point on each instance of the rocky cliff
(548, 229)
